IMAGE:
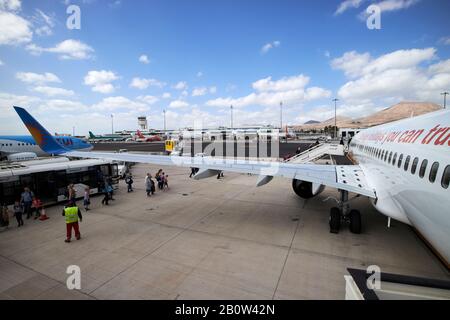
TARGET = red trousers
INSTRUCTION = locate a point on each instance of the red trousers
(69, 227)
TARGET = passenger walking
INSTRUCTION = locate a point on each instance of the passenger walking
(5, 215)
(105, 196)
(166, 181)
(129, 182)
(158, 178)
(220, 175)
(37, 206)
(72, 214)
(26, 200)
(72, 194)
(87, 198)
(192, 172)
(161, 181)
(18, 212)
(149, 185)
(110, 189)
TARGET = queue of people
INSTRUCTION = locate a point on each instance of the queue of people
(162, 182)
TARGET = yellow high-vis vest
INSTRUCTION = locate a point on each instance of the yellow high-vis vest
(71, 214)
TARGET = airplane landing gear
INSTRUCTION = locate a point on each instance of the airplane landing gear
(342, 213)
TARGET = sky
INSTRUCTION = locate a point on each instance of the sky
(195, 58)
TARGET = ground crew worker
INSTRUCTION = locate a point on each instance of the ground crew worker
(72, 213)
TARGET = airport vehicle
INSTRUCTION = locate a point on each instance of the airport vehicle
(49, 181)
(19, 148)
(140, 137)
(403, 168)
(106, 137)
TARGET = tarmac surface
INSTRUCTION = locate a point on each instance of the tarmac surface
(207, 239)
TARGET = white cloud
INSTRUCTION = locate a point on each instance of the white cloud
(271, 93)
(347, 4)
(394, 5)
(46, 23)
(10, 5)
(120, 102)
(397, 76)
(197, 92)
(445, 41)
(286, 83)
(141, 83)
(36, 78)
(355, 64)
(60, 105)
(440, 67)
(166, 95)
(178, 104)
(69, 49)
(144, 59)
(148, 99)
(351, 63)
(53, 91)
(7, 101)
(100, 81)
(388, 6)
(14, 30)
(212, 90)
(268, 46)
(182, 85)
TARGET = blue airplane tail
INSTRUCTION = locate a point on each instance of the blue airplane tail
(42, 137)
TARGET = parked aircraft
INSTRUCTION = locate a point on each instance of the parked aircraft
(403, 167)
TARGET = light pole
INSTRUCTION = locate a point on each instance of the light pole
(281, 116)
(112, 124)
(231, 110)
(164, 111)
(335, 125)
(445, 98)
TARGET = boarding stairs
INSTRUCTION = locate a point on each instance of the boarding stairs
(316, 152)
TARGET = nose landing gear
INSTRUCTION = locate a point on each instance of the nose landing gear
(343, 214)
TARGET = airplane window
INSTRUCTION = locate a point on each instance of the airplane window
(407, 163)
(423, 168)
(414, 165)
(390, 157)
(385, 156)
(446, 177)
(433, 172)
(395, 159)
(382, 155)
(400, 160)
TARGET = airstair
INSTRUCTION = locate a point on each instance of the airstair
(316, 152)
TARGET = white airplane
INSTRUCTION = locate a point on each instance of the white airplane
(403, 167)
(21, 148)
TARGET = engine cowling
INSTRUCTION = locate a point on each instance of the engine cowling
(22, 156)
(305, 189)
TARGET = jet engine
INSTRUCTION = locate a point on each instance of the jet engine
(305, 189)
(21, 156)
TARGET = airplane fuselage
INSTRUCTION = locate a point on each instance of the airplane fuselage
(407, 162)
(19, 144)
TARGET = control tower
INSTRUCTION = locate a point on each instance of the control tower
(142, 123)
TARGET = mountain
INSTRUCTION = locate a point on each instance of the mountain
(399, 111)
(311, 122)
(396, 112)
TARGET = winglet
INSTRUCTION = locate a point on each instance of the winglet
(42, 137)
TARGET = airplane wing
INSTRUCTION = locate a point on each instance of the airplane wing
(350, 178)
